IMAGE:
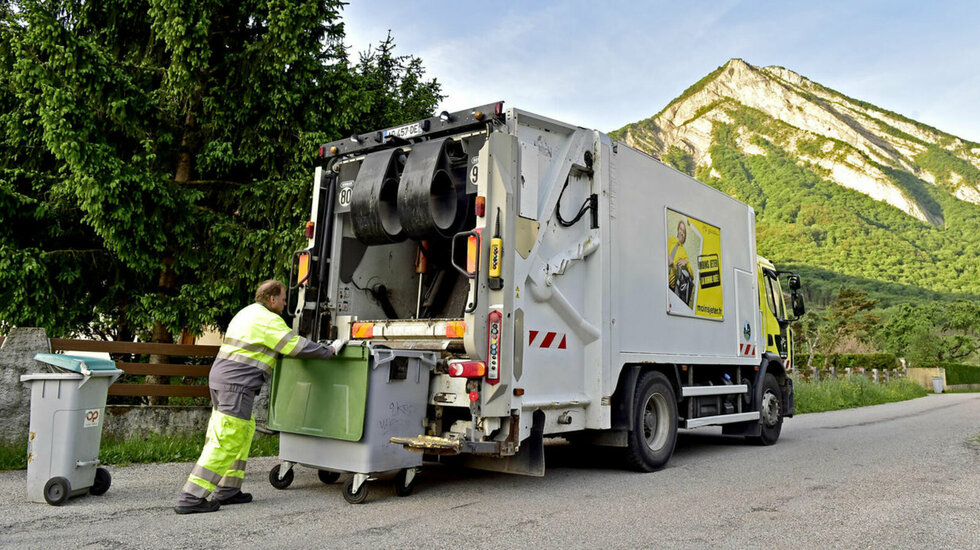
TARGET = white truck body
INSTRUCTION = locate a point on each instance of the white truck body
(586, 306)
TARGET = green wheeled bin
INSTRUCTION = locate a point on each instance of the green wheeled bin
(67, 412)
(338, 415)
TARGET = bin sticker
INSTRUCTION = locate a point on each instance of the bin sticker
(92, 418)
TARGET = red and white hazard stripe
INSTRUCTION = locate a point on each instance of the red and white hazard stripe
(746, 349)
(550, 340)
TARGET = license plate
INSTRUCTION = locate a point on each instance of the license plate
(406, 131)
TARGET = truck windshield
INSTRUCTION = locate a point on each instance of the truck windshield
(775, 293)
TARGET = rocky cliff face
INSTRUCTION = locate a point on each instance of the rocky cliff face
(881, 154)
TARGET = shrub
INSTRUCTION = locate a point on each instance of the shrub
(959, 373)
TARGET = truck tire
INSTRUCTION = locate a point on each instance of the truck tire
(771, 411)
(651, 442)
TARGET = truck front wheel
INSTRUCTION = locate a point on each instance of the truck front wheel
(771, 410)
(651, 442)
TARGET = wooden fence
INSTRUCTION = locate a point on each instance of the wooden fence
(875, 375)
(203, 355)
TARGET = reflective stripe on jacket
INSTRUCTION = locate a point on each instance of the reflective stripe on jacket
(256, 337)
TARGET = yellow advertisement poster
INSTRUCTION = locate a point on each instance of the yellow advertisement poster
(693, 267)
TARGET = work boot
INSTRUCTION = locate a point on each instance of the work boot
(202, 507)
(237, 498)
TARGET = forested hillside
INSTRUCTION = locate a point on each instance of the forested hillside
(880, 214)
(867, 204)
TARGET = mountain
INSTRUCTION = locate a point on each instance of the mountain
(847, 193)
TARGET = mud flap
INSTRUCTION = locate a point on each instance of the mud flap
(529, 461)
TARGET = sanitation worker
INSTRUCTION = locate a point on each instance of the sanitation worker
(255, 337)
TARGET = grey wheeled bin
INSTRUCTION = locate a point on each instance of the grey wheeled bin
(67, 409)
(338, 415)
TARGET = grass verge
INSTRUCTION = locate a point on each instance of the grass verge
(144, 450)
(850, 392)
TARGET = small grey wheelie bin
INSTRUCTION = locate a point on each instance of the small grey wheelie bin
(67, 409)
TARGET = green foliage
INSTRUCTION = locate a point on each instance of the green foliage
(943, 164)
(680, 159)
(13, 457)
(851, 391)
(933, 333)
(149, 449)
(156, 160)
(959, 373)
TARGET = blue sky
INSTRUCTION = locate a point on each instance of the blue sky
(603, 64)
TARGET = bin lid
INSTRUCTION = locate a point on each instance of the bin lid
(74, 363)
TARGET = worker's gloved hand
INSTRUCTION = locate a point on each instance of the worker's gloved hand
(338, 345)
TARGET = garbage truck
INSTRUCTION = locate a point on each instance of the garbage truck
(563, 283)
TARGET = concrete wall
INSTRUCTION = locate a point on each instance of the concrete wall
(924, 376)
(16, 359)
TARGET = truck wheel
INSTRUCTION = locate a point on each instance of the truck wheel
(102, 482)
(771, 411)
(274, 480)
(327, 477)
(56, 491)
(651, 442)
(352, 497)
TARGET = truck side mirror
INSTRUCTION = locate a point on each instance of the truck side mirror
(794, 284)
(798, 307)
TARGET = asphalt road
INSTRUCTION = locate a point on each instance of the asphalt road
(902, 475)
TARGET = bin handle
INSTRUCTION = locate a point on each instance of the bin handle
(87, 463)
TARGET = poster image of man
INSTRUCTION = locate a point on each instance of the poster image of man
(680, 271)
(694, 274)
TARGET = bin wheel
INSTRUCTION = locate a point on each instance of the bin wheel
(274, 480)
(56, 491)
(403, 489)
(352, 497)
(328, 477)
(102, 482)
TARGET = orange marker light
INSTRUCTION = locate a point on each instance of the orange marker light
(360, 331)
(455, 329)
(303, 273)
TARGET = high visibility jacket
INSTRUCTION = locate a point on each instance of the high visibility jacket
(254, 339)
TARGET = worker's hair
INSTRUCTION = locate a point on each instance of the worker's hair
(267, 290)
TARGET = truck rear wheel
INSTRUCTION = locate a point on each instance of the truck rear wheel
(651, 442)
(771, 411)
